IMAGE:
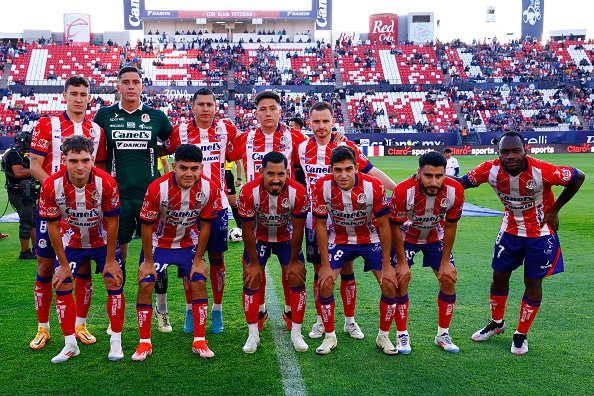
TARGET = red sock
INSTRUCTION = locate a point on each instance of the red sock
(199, 312)
(298, 301)
(387, 309)
(348, 293)
(251, 303)
(316, 295)
(262, 288)
(286, 290)
(66, 310)
(43, 294)
(116, 306)
(83, 291)
(144, 312)
(401, 314)
(187, 290)
(498, 301)
(327, 306)
(445, 309)
(528, 311)
(217, 281)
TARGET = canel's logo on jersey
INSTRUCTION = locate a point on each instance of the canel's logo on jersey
(137, 135)
(145, 118)
(445, 202)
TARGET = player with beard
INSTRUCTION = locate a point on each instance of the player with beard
(424, 211)
(273, 209)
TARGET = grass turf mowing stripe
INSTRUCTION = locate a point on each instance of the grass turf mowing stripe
(289, 366)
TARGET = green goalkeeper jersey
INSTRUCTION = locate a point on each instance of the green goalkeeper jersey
(132, 146)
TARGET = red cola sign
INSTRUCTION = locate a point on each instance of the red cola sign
(383, 27)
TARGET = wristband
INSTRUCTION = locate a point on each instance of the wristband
(239, 179)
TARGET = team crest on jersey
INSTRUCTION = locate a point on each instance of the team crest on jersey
(284, 140)
(445, 202)
(286, 203)
(531, 184)
(42, 243)
(566, 175)
(145, 118)
(95, 197)
(200, 197)
(361, 198)
(219, 129)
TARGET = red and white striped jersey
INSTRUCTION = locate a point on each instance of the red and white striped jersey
(422, 216)
(83, 209)
(51, 131)
(315, 162)
(273, 213)
(354, 212)
(174, 211)
(213, 143)
(253, 145)
(525, 197)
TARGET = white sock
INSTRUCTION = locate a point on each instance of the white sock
(80, 321)
(253, 329)
(45, 325)
(349, 320)
(188, 307)
(199, 338)
(296, 329)
(148, 340)
(71, 339)
(287, 308)
(381, 332)
(399, 333)
(262, 308)
(217, 307)
(441, 330)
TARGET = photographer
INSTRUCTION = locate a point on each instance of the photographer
(23, 190)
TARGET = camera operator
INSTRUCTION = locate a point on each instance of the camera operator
(23, 190)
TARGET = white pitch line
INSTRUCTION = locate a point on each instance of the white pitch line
(289, 366)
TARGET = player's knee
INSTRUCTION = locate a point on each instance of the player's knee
(45, 266)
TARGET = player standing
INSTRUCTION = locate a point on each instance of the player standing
(47, 158)
(528, 233)
(250, 147)
(131, 132)
(314, 157)
(212, 136)
(424, 213)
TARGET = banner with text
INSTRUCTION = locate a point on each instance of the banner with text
(323, 14)
(383, 27)
(132, 19)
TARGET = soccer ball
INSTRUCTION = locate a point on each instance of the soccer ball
(235, 235)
